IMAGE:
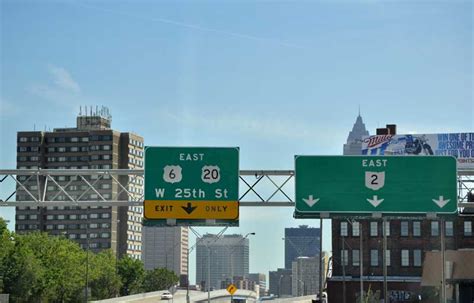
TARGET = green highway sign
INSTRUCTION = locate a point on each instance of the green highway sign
(191, 184)
(369, 184)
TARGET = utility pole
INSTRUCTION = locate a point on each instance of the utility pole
(361, 262)
(343, 259)
(384, 260)
(320, 260)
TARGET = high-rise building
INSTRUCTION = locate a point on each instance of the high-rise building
(92, 144)
(228, 256)
(353, 145)
(408, 241)
(305, 276)
(166, 247)
(302, 241)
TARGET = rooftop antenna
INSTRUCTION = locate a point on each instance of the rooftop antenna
(80, 110)
(359, 110)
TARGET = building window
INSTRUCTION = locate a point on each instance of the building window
(417, 229)
(387, 228)
(61, 217)
(404, 228)
(355, 229)
(105, 215)
(61, 226)
(106, 147)
(23, 139)
(93, 225)
(449, 231)
(85, 139)
(344, 229)
(374, 229)
(355, 257)
(94, 216)
(72, 236)
(374, 257)
(105, 235)
(387, 257)
(434, 228)
(417, 257)
(467, 228)
(405, 257)
(344, 257)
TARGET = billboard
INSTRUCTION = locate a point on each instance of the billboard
(458, 145)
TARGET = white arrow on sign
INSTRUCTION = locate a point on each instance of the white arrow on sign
(310, 201)
(441, 202)
(375, 201)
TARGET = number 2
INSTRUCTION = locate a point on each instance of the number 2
(374, 180)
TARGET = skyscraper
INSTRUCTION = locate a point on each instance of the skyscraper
(302, 241)
(166, 247)
(228, 257)
(353, 145)
(92, 144)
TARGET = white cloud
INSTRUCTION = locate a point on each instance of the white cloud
(63, 79)
(61, 90)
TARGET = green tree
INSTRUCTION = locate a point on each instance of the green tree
(3, 226)
(159, 279)
(63, 267)
(104, 279)
(131, 273)
(20, 270)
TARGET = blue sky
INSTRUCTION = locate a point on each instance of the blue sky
(274, 78)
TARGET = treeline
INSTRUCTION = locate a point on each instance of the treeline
(36, 267)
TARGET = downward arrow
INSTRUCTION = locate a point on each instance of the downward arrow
(375, 201)
(189, 209)
(310, 201)
(441, 202)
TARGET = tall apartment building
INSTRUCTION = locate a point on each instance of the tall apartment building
(302, 241)
(228, 257)
(92, 144)
(166, 247)
(408, 240)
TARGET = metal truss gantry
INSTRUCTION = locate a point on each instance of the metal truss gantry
(73, 187)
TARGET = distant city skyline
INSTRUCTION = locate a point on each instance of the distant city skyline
(276, 79)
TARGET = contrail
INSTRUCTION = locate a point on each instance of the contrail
(191, 26)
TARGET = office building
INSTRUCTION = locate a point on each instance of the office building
(280, 282)
(228, 256)
(92, 144)
(408, 242)
(166, 247)
(302, 241)
(305, 276)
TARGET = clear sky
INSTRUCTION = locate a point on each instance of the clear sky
(274, 78)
